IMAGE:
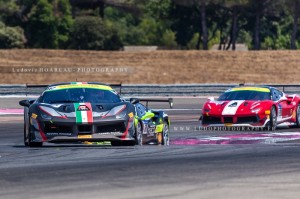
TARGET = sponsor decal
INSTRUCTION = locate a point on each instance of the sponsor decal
(58, 134)
(34, 116)
(130, 115)
(279, 111)
(159, 128)
(84, 113)
(266, 90)
(79, 85)
(83, 108)
(84, 136)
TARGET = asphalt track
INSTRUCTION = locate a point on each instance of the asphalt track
(198, 164)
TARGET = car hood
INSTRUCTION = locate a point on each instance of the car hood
(71, 109)
(233, 107)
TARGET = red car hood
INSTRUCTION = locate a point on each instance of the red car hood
(234, 107)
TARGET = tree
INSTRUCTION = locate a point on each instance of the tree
(127, 5)
(90, 33)
(11, 37)
(200, 7)
(49, 23)
(294, 7)
(42, 31)
(260, 12)
(235, 6)
(64, 21)
(9, 12)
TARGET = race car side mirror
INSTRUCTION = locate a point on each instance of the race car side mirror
(25, 103)
(211, 99)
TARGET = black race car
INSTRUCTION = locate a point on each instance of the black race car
(91, 112)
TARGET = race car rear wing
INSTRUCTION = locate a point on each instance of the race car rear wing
(46, 85)
(147, 100)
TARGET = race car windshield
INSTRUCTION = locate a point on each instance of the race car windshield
(73, 95)
(244, 95)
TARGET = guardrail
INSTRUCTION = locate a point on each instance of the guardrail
(128, 90)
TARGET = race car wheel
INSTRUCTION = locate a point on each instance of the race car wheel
(298, 116)
(273, 119)
(139, 134)
(33, 144)
(165, 134)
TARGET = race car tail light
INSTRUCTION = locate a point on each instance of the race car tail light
(46, 116)
(116, 111)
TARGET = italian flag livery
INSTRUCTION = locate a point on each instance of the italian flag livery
(84, 113)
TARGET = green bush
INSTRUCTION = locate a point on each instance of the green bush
(49, 24)
(169, 39)
(11, 37)
(42, 30)
(90, 33)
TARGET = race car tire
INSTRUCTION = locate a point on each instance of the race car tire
(273, 119)
(165, 134)
(25, 135)
(298, 116)
(33, 144)
(139, 134)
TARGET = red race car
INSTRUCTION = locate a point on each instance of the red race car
(260, 106)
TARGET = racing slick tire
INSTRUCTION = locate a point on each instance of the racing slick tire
(33, 144)
(165, 134)
(298, 116)
(139, 134)
(132, 142)
(273, 119)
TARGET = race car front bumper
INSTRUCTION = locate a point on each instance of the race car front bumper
(107, 129)
(235, 121)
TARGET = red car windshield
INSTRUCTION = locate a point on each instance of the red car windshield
(245, 95)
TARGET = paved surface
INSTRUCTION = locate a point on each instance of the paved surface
(188, 168)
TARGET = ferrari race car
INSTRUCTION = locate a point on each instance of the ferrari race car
(260, 106)
(91, 112)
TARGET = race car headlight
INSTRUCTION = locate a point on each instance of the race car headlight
(117, 111)
(47, 113)
(45, 116)
(121, 114)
